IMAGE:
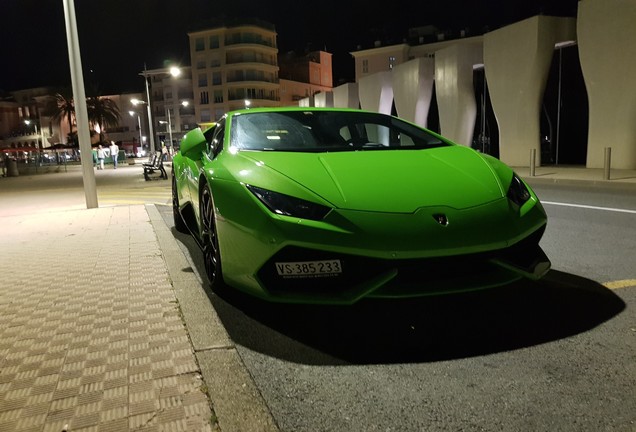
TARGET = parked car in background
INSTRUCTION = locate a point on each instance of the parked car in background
(320, 205)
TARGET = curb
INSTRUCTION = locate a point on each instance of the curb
(615, 184)
(236, 400)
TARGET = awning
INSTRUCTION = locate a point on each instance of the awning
(19, 150)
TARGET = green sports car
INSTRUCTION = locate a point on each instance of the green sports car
(323, 205)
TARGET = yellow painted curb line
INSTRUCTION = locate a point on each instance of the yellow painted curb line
(620, 284)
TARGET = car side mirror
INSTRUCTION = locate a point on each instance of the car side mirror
(193, 143)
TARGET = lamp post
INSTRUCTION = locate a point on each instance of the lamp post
(133, 113)
(28, 122)
(169, 126)
(81, 111)
(175, 72)
(184, 104)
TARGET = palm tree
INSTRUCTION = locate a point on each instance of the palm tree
(104, 112)
(62, 108)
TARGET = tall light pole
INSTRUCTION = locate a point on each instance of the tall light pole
(81, 111)
(169, 126)
(175, 72)
(132, 113)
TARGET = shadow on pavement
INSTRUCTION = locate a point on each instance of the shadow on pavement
(420, 330)
(414, 330)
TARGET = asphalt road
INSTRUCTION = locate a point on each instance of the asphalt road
(557, 355)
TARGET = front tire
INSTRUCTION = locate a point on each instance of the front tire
(210, 240)
(179, 223)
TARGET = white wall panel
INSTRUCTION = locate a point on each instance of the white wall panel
(346, 96)
(455, 92)
(376, 92)
(607, 49)
(324, 99)
(517, 60)
(413, 89)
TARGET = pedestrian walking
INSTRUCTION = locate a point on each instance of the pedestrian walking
(100, 158)
(164, 152)
(114, 153)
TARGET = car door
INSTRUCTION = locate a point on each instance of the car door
(214, 146)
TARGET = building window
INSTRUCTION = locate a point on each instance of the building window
(216, 78)
(365, 66)
(391, 62)
(203, 80)
(215, 61)
(205, 98)
(218, 113)
(214, 41)
(199, 45)
(205, 116)
(218, 96)
(201, 64)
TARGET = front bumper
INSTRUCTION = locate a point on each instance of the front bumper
(365, 277)
(382, 254)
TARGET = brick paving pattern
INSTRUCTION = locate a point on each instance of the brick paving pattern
(91, 335)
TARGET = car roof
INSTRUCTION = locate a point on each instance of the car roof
(295, 109)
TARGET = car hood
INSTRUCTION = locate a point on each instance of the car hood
(389, 180)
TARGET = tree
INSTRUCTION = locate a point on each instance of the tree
(104, 112)
(62, 108)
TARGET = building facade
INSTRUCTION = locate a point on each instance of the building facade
(233, 67)
(304, 76)
(516, 62)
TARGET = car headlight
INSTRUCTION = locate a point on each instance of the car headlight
(518, 192)
(289, 206)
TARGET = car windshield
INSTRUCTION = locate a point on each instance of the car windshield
(322, 131)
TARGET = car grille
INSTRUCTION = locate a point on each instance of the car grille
(427, 275)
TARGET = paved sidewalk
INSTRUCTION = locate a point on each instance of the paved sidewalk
(576, 174)
(91, 335)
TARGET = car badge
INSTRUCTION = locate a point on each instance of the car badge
(441, 219)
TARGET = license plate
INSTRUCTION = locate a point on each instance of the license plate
(309, 268)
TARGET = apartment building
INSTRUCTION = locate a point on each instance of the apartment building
(304, 76)
(234, 66)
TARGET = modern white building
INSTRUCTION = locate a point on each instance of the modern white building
(517, 60)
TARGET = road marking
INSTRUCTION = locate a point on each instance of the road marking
(589, 207)
(614, 285)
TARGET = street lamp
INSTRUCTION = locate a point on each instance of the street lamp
(133, 113)
(169, 122)
(28, 122)
(168, 126)
(175, 72)
(137, 102)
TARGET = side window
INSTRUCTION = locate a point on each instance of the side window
(405, 140)
(216, 144)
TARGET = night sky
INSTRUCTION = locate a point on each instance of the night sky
(118, 36)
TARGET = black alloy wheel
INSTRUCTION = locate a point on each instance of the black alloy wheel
(209, 240)
(179, 223)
